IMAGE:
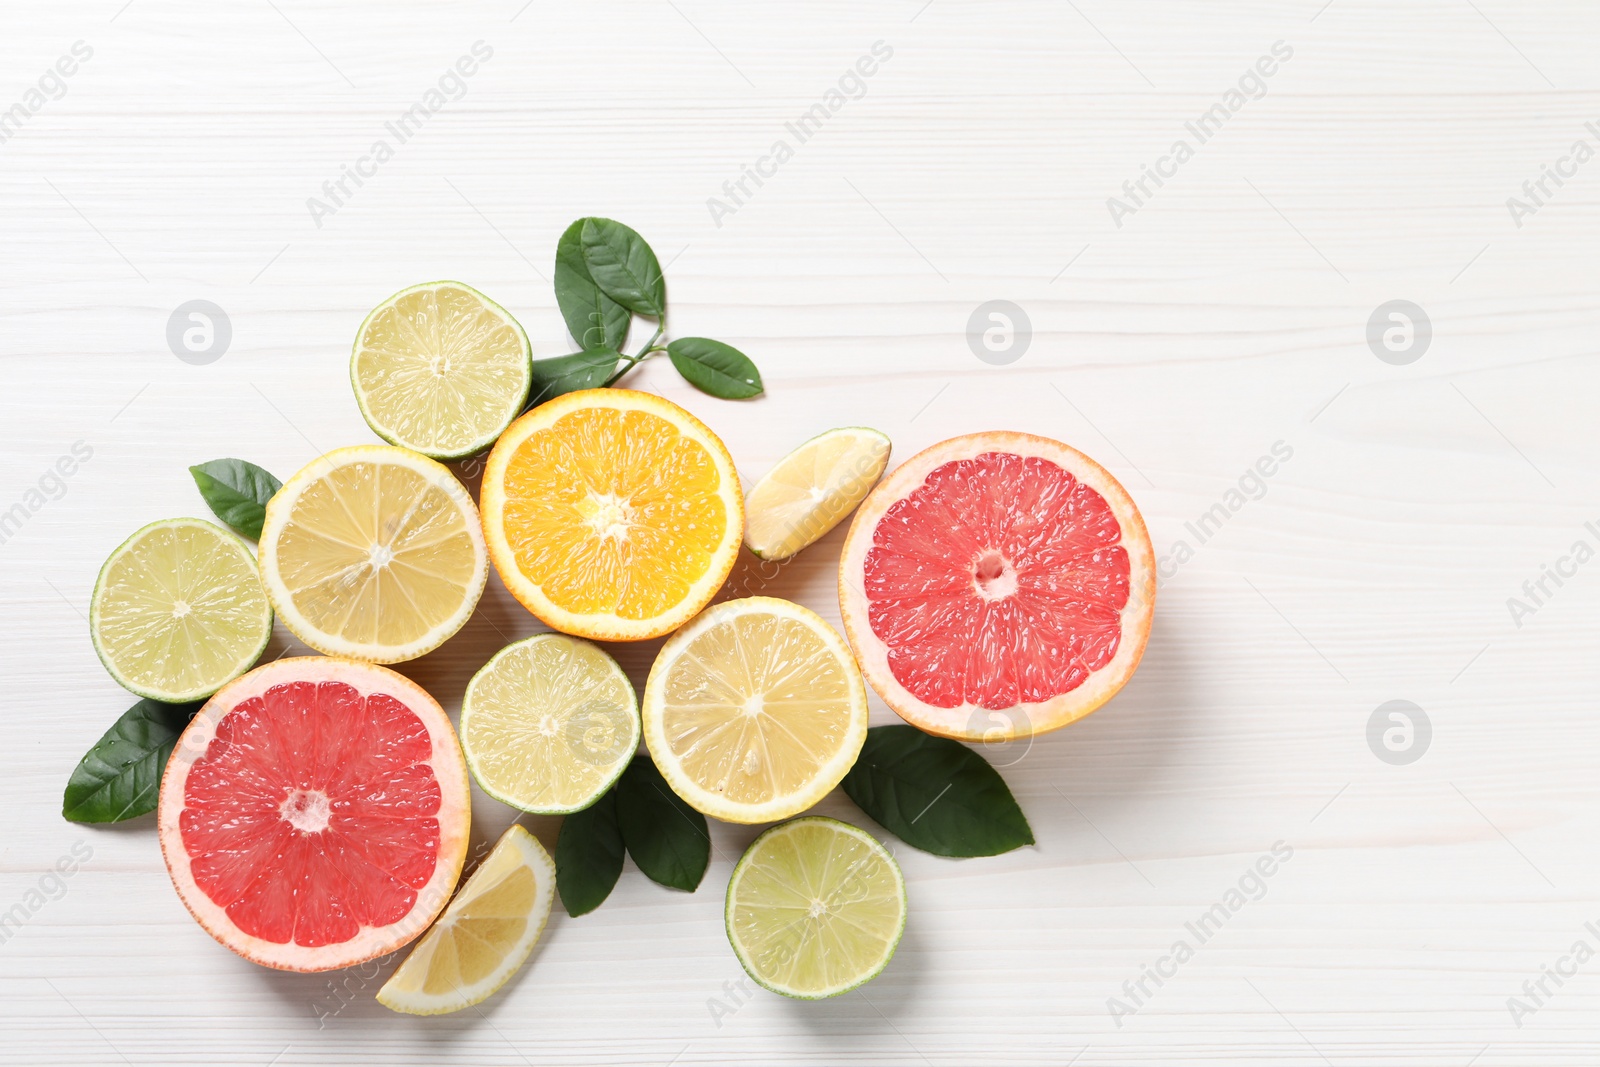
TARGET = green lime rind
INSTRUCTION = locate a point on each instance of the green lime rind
(876, 847)
(476, 446)
(226, 538)
(888, 451)
(504, 797)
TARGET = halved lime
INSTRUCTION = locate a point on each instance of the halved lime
(441, 369)
(812, 489)
(178, 611)
(549, 724)
(815, 908)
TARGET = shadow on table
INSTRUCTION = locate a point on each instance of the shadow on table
(1088, 776)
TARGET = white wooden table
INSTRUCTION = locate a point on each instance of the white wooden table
(1226, 314)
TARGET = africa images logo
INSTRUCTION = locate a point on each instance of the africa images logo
(1250, 886)
(1252, 85)
(450, 86)
(851, 85)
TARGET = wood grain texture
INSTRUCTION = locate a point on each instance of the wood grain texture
(1227, 314)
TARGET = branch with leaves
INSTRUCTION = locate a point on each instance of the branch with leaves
(605, 275)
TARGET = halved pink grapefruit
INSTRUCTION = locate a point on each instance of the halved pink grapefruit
(315, 813)
(997, 585)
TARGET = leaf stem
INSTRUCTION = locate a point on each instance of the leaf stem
(650, 345)
(629, 362)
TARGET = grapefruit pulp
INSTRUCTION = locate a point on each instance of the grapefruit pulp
(315, 813)
(996, 586)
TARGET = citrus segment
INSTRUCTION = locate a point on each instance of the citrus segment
(611, 513)
(373, 552)
(440, 369)
(997, 585)
(178, 611)
(755, 710)
(485, 934)
(815, 908)
(549, 724)
(315, 813)
(812, 489)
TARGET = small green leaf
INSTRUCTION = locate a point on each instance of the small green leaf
(665, 836)
(623, 266)
(715, 368)
(120, 777)
(935, 794)
(589, 855)
(593, 318)
(568, 374)
(237, 492)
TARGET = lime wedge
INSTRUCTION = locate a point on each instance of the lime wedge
(178, 611)
(815, 908)
(812, 489)
(440, 369)
(549, 724)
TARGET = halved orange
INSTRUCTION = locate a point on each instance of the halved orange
(612, 514)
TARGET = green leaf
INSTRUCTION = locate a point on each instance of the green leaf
(665, 836)
(568, 374)
(237, 492)
(589, 855)
(623, 266)
(593, 318)
(935, 794)
(715, 368)
(120, 777)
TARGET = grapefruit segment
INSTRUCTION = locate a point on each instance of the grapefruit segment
(997, 585)
(315, 813)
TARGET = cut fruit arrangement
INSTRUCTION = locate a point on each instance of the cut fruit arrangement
(314, 812)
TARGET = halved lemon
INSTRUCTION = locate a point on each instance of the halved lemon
(812, 489)
(755, 710)
(440, 369)
(374, 553)
(485, 934)
(178, 611)
(815, 908)
(612, 514)
(549, 724)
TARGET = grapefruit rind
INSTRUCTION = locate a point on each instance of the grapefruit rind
(454, 817)
(609, 626)
(968, 722)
